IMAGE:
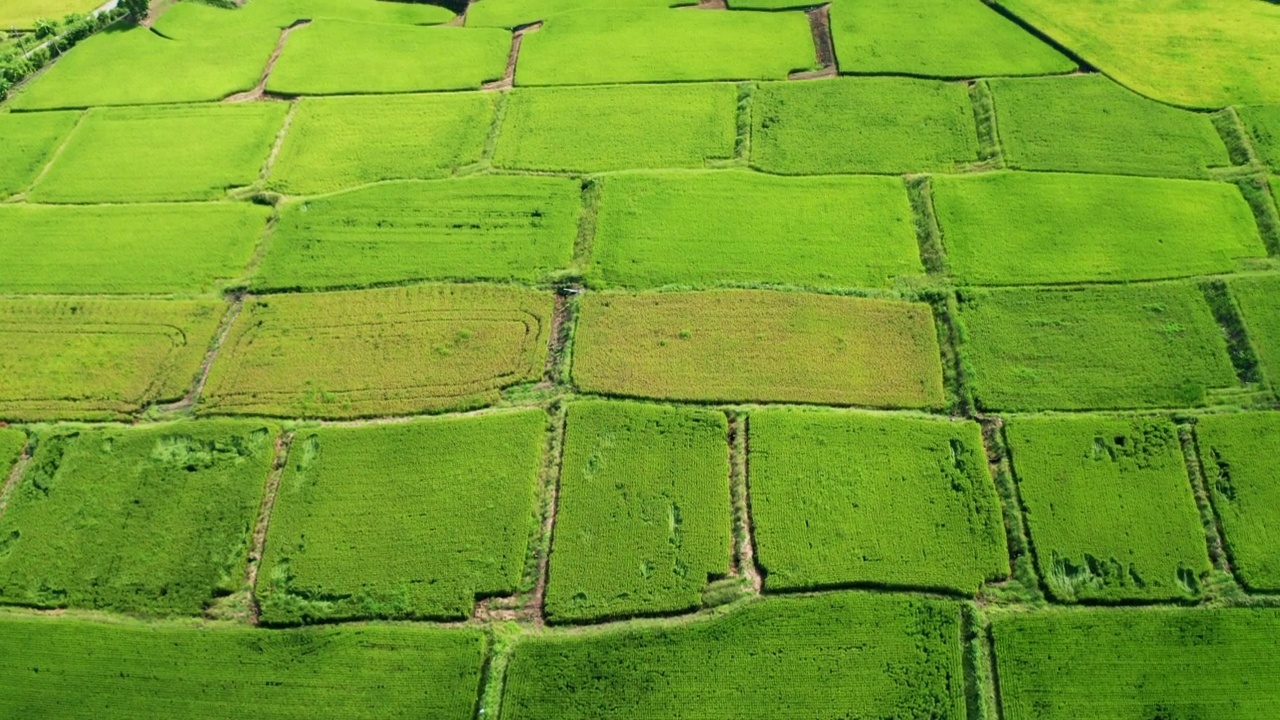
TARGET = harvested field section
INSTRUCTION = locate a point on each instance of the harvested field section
(1109, 506)
(1101, 347)
(1150, 663)
(379, 352)
(1088, 123)
(331, 57)
(843, 498)
(96, 359)
(126, 248)
(1259, 301)
(937, 38)
(643, 519)
(1263, 123)
(617, 127)
(30, 141)
(870, 125)
(738, 345)
(410, 520)
(151, 520)
(823, 657)
(341, 142)
(484, 227)
(82, 670)
(1033, 228)
(593, 47)
(165, 153)
(1241, 459)
(725, 227)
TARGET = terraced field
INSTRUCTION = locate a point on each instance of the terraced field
(659, 359)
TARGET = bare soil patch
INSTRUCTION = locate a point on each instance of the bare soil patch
(824, 48)
(264, 522)
(513, 57)
(260, 91)
(224, 329)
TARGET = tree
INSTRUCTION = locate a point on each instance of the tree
(136, 9)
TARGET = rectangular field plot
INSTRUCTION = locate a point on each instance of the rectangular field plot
(1259, 301)
(513, 13)
(1028, 228)
(1110, 508)
(341, 142)
(152, 520)
(838, 655)
(1088, 123)
(176, 152)
(617, 127)
(841, 499)
(163, 248)
(739, 345)
(1241, 459)
(97, 359)
(409, 520)
(594, 47)
(1098, 347)
(30, 140)
(1149, 663)
(643, 518)
(850, 125)
(379, 352)
(937, 38)
(483, 227)
(79, 670)
(331, 57)
(1263, 122)
(22, 14)
(708, 228)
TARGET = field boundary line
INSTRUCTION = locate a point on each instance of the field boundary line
(554, 464)
(744, 550)
(508, 79)
(269, 164)
(261, 249)
(1231, 130)
(993, 668)
(823, 47)
(1226, 315)
(491, 137)
(1041, 35)
(1256, 190)
(560, 336)
(202, 375)
(1214, 539)
(53, 158)
(1022, 558)
(493, 674)
(15, 476)
(259, 91)
(584, 242)
(955, 375)
(986, 119)
(972, 659)
(745, 124)
(259, 539)
(932, 249)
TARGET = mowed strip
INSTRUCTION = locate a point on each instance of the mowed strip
(739, 345)
(1042, 228)
(1151, 662)
(120, 670)
(331, 57)
(341, 142)
(161, 248)
(871, 125)
(1241, 459)
(825, 657)
(81, 358)
(166, 153)
(707, 228)
(489, 227)
(396, 351)
(1098, 347)
(617, 127)
(1258, 299)
(591, 47)
(846, 498)
(151, 520)
(30, 141)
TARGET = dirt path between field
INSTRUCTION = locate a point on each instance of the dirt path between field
(260, 91)
(283, 443)
(824, 48)
(739, 467)
(224, 330)
(11, 481)
(513, 57)
(709, 5)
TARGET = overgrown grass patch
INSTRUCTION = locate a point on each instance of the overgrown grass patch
(1263, 123)
(1240, 462)
(30, 140)
(706, 228)
(1259, 301)
(12, 440)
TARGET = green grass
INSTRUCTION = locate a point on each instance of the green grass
(331, 57)
(481, 227)
(411, 520)
(1029, 228)
(849, 125)
(1161, 663)
(126, 248)
(840, 655)
(513, 13)
(97, 358)
(707, 228)
(1089, 123)
(341, 142)
(30, 140)
(178, 152)
(79, 670)
(843, 499)
(1193, 53)
(642, 520)
(1110, 508)
(283, 13)
(1101, 347)
(12, 440)
(738, 345)
(154, 520)
(396, 351)
(1239, 459)
(1263, 123)
(23, 13)
(618, 127)
(937, 38)
(1258, 299)
(592, 47)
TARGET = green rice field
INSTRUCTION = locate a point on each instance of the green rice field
(30, 141)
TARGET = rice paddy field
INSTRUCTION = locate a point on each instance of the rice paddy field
(659, 359)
